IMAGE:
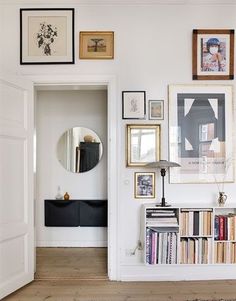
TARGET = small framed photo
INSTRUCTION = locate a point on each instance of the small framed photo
(156, 109)
(213, 54)
(133, 104)
(46, 36)
(144, 185)
(96, 45)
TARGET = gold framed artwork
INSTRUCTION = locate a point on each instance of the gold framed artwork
(213, 54)
(46, 36)
(144, 187)
(96, 45)
(143, 143)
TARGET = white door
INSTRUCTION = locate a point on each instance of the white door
(16, 185)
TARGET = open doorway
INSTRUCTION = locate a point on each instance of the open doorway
(72, 251)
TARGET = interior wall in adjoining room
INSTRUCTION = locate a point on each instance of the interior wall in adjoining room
(56, 112)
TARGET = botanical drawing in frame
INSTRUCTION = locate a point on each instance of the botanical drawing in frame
(144, 187)
(200, 129)
(133, 104)
(47, 36)
(96, 45)
(156, 109)
(143, 144)
(213, 54)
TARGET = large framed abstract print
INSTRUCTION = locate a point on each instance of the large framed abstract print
(200, 133)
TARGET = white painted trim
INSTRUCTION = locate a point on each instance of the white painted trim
(72, 243)
(178, 272)
(40, 3)
(113, 108)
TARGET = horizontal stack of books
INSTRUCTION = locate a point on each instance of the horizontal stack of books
(195, 251)
(225, 227)
(196, 222)
(161, 236)
(225, 252)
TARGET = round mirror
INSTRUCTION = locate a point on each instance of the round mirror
(79, 149)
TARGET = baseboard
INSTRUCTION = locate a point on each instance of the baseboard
(69, 243)
(177, 273)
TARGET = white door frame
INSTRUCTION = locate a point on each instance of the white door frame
(113, 154)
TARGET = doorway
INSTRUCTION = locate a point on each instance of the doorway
(73, 89)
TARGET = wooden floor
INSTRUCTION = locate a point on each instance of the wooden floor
(57, 279)
(71, 263)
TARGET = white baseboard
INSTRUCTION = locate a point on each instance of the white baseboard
(177, 273)
(69, 243)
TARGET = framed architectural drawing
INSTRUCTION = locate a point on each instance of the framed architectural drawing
(47, 36)
(144, 187)
(96, 45)
(213, 54)
(200, 133)
(143, 144)
(133, 104)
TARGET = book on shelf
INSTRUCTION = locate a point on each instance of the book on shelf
(225, 227)
(195, 251)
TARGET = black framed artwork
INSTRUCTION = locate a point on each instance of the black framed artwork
(133, 104)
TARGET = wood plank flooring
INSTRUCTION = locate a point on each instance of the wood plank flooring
(71, 263)
(61, 281)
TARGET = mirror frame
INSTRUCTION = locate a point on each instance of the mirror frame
(129, 128)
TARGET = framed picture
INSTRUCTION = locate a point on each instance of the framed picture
(213, 54)
(144, 185)
(156, 109)
(133, 104)
(96, 45)
(47, 36)
(143, 143)
(200, 129)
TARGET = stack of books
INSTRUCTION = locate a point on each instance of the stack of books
(195, 251)
(161, 236)
(225, 252)
(196, 222)
(225, 227)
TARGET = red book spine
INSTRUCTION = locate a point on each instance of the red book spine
(221, 228)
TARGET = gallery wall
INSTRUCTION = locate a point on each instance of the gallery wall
(56, 112)
(153, 48)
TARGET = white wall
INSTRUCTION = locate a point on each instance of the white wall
(57, 111)
(153, 48)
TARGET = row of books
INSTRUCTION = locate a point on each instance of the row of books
(195, 250)
(225, 252)
(225, 227)
(161, 218)
(161, 247)
(196, 222)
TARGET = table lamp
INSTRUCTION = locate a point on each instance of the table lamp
(163, 165)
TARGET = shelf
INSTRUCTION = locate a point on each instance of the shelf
(231, 241)
(196, 236)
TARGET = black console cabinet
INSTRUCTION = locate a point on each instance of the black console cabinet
(74, 213)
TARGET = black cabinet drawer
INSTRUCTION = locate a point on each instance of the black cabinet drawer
(60, 213)
(93, 213)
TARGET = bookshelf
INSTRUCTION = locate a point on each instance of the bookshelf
(188, 236)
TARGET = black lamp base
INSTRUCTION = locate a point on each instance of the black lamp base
(160, 205)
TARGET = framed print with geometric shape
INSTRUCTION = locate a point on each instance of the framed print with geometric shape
(144, 187)
(47, 36)
(133, 104)
(200, 133)
(213, 54)
(156, 109)
(96, 45)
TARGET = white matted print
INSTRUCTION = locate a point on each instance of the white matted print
(134, 104)
(156, 109)
(47, 36)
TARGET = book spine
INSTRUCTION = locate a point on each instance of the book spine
(216, 230)
(196, 223)
(221, 228)
(148, 245)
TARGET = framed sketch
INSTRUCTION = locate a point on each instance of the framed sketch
(156, 109)
(143, 143)
(213, 54)
(96, 45)
(144, 187)
(133, 104)
(47, 36)
(200, 129)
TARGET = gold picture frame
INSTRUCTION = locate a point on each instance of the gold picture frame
(144, 187)
(96, 45)
(143, 144)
